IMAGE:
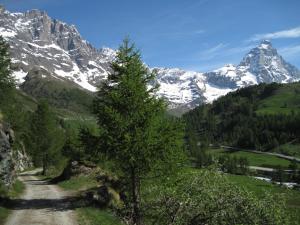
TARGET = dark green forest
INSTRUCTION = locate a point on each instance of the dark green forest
(249, 118)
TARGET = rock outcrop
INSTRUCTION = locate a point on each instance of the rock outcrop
(11, 160)
(7, 170)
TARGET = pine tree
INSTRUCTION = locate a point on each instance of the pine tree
(7, 83)
(45, 137)
(135, 132)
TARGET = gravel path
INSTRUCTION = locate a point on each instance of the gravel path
(41, 204)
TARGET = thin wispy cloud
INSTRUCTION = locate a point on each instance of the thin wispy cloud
(290, 33)
(290, 51)
(182, 33)
(212, 52)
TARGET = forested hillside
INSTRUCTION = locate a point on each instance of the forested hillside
(259, 117)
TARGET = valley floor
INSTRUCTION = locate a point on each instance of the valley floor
(42, 204)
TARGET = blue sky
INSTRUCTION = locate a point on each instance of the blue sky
(191, 34)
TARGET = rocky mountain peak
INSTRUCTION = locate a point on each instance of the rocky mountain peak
(267, 65)
(265, 44)
(39, 42)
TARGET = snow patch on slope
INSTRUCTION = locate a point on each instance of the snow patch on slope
(19, 76)
(213, 92)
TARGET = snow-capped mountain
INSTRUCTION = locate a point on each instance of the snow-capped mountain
(36, 40)
(261, 64)
(57, 49)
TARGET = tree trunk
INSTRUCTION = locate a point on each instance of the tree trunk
(135, 183)
(44, 165)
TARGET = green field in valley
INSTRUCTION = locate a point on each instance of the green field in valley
(253, 158)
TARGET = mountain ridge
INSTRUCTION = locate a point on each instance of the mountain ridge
(37, 41)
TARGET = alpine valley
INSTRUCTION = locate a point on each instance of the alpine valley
(47, 50)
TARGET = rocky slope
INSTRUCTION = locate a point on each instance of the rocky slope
(11, 160)
(6, 159)
(36, 40)
(58, 50)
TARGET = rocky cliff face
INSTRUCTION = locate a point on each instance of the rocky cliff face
(7, 171)
(11, 161)
(36, 40)
(40, 42)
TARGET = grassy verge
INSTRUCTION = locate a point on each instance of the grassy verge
(89, 215)
(4, 212)
(289, 149)
(254, 158)
(94, 216)
(78, 183)
(16, 190)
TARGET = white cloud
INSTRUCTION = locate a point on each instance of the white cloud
(291, 33)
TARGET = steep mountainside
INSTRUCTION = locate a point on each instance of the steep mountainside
(38, 41)
(58, 50)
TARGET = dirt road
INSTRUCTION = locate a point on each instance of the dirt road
(41, 204)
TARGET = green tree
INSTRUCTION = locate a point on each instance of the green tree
(278, 175)
(244, 165)
(134, 131)
(7, 82)
(45, 137)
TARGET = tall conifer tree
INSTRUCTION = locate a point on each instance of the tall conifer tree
(135, 132)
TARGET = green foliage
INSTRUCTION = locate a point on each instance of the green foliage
(203, 159)
(259, 188)
(93, 216)
(17, 189)
(134, 131)
(3, 214)
(46, 139)
(61, 95)
(7, 83)
(234, 165)
(206, 197)
(79, 183)
(292, 149)
(278, 175)
(284, 100)
(236, 120)
(3, 190)
(254, 159)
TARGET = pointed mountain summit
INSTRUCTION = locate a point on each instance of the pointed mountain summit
(268, 66)
(46, 48)
(262, 64)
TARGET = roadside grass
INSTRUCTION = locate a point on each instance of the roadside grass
(4, 212)
(254, 159)
(78, 183)
(96, 216)
(259, 188)
(16, 190)
(89, 215)
(285, 100)
(289, 149)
